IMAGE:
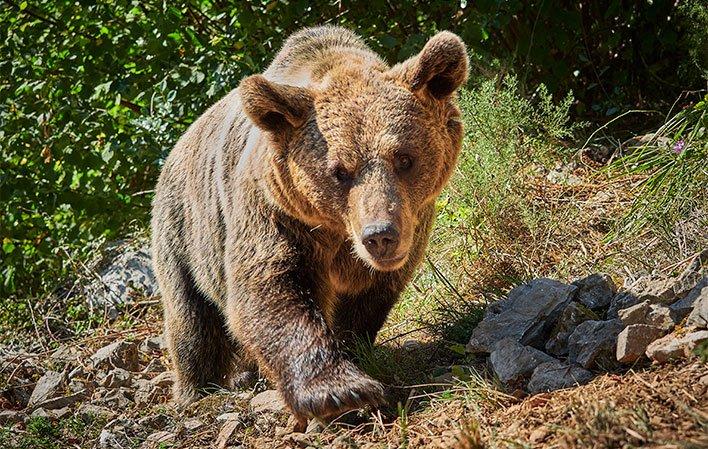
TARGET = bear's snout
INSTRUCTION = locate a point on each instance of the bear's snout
(380, 239)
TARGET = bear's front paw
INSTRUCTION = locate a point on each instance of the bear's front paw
(336, 391)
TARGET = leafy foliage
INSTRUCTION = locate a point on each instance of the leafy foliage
(94, 94)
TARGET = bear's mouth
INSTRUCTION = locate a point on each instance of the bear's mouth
(388, 264)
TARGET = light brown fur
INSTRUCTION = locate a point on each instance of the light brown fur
(290, 216)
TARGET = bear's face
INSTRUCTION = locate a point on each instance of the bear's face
(362, 152)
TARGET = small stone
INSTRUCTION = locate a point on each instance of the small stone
(656, 315)
(40, 412)
(683, 307)
(595, 291)
(154, 366)
(79, 371)
(593, 344)
(446, 378)
(117, 398)
(90, 412)
(551, 376)
(157, 422)
(632, 342)
(117, 377)
(61, 413)
(120, 354)
(527, 315)
(145, 391)
(193, 424)
(62, 401)
(49, 385)
(8, 417)
(636, 314)
(159, 438)
(107, 439)
(222, 440)
(573, 314)
(674, 347)
(411, 345)
(156, 343)
(163, 380)
(299, 439)
(267, 401)
(538, 435)
(232, 416)
(699, 315)
(512, 362)
(315, 426)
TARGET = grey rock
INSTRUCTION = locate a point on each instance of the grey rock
(621, 301)
(267, 401)
(193, 424)
(156, 343)
(527, 315)
(128, 274)
(120, 354)
(656, 315)
(512, 362)
(117, 398)
(315, 426)
(40, 412)
(48, 386)
(157, 422)
(593, 343)
(145, 391)
(117, 377)
(62, 401)
(551, 376)
(163, 380)
(632, 342)
(89, 412)
(660, 316)
(154, 366)
(672, 347)
(699, 315)
(61, 413)
(9, 417)
(228, 417)
(411, 345)
(573, 314)
(636, 314)
(595, 291)
(108, 440)
(683, 307)
(79, 371)
(161, 437)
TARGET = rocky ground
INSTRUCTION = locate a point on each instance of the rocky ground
(583, 364)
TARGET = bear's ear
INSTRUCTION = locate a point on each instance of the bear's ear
(274, 107)
(438, 70)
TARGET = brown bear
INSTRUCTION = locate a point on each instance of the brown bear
(290, 216)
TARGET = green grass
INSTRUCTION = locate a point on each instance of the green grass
(674, 163)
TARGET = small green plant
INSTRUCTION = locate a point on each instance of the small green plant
(674, 162)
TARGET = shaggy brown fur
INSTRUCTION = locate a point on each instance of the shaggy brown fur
(290, 216)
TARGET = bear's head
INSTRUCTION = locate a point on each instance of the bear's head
(364, 149)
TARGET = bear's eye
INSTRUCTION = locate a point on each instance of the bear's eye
(342, 175)
(403, 162)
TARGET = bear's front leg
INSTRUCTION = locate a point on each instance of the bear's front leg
(272, 310)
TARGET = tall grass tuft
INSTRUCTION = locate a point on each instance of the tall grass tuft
(675, 162)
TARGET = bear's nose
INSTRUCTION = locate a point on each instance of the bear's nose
(380, 239)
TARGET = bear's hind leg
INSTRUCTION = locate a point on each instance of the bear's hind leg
(202, 352)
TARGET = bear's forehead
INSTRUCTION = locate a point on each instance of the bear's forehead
(370, 112)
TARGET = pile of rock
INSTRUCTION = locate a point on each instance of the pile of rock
(547, 335)
(125, 273)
